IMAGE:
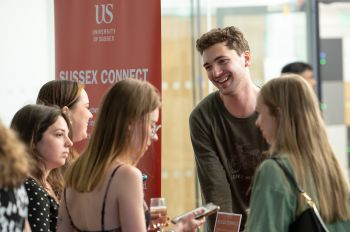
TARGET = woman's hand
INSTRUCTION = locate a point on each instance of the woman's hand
(158, 221)
(189, 223)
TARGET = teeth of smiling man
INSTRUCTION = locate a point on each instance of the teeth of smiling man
(222, 80)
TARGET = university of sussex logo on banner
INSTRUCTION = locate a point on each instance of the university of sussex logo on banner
(104, 13)
(105, 27)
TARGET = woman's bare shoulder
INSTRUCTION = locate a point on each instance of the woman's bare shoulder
(128, 172)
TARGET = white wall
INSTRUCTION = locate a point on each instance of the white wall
(26, 52)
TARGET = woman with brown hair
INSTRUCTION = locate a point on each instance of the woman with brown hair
(14, 169)
(73, 100)
(45, 131)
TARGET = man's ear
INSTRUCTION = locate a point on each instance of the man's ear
(247, 58)
(65, 110)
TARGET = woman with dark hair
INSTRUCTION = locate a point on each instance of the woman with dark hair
(45, 131)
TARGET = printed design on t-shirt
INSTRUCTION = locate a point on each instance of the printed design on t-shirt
(244, 161)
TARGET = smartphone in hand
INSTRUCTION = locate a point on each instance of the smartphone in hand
(199, 212)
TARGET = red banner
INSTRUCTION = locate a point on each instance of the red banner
(99, 42)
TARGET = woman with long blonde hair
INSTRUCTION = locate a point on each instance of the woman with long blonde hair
(103, 187)
(291, 122)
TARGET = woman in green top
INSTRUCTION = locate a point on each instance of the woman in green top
(291, 122)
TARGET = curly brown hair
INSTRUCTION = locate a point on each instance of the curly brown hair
(14, 160)
(231, 35)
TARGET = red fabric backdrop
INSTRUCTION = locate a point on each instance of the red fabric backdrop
(101, 42)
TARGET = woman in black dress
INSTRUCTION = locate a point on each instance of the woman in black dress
(45, 130)
(103, 186)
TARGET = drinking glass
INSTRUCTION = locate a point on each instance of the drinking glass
(158, 213)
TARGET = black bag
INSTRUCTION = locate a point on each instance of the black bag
(309, 220)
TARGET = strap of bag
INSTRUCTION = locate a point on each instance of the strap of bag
(308, 199)
(289, 175)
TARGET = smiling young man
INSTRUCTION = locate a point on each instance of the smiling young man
(227, 145)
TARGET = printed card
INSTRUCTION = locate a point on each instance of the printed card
(227, 222)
